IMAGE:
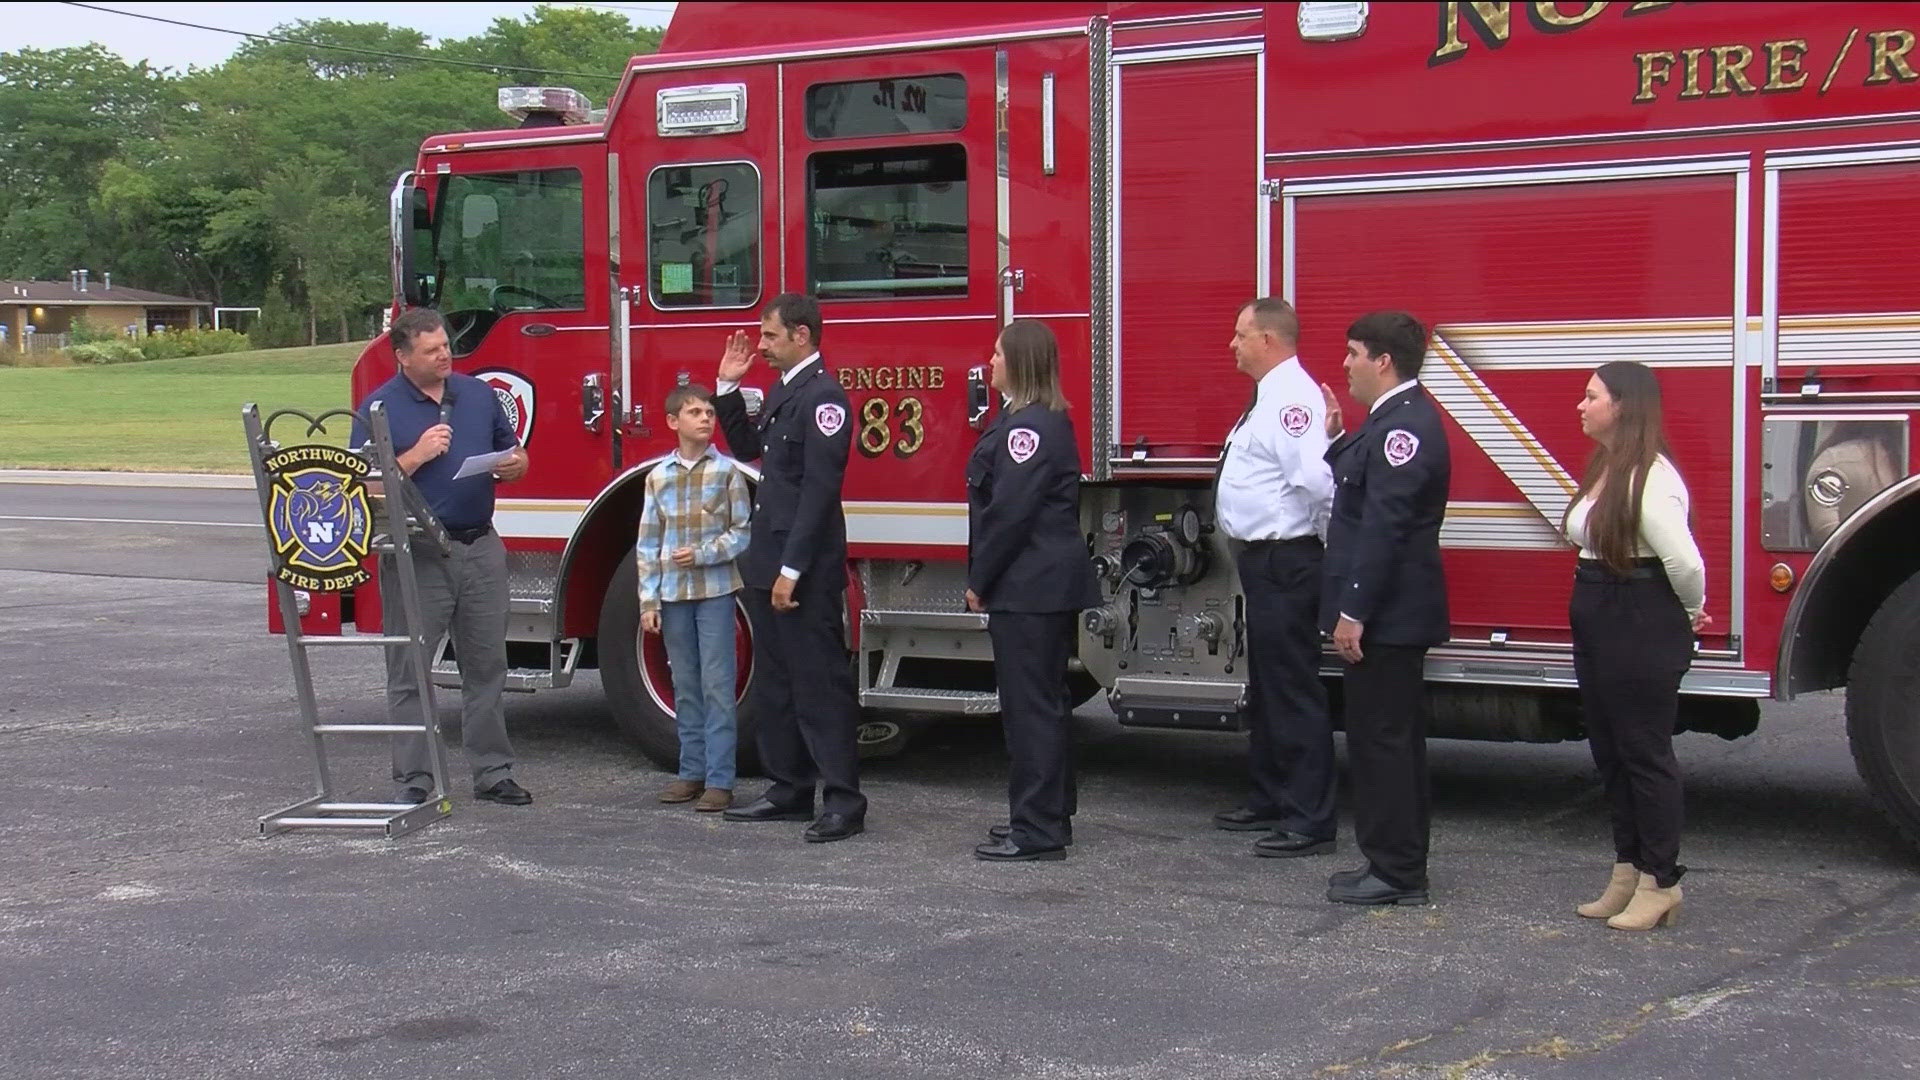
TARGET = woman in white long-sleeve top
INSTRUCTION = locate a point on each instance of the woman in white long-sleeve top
(1639, 597)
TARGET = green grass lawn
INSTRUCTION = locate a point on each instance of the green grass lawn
(166, 415)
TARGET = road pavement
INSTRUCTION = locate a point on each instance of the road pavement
(145, 931)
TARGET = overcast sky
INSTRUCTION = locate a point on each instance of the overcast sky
(52, 26)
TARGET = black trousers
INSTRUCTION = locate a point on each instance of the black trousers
(1386, 716)
(1290, 754)
(1030, 653)
(804, 699)
(1632, 642)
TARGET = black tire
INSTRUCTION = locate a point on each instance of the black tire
(1883, 708)
(635, 708)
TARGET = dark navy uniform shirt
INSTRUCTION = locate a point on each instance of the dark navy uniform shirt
(479, 426)
(1383, 545)
(802, 442)
(1025, 550)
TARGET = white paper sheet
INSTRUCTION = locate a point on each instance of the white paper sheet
(480, 463)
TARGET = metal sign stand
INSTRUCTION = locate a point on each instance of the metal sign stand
(406, 520)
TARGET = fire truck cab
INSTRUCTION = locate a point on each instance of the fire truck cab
(1721, 191)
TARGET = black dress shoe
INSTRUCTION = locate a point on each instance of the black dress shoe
(1348, 877)
(507, 792)
(1372, 890)
(1290, 845)
(1008, 851)
(415, 795)
(833, 826)
(1001, 832)
(1244, 819)
(764, 810)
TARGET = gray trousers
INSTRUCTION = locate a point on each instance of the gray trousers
(465, 593)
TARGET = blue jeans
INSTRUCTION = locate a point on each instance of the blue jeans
(699, 637)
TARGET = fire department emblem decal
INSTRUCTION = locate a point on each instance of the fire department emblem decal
(1295, 420)
(318, 517)
(829, 419)
(1401, 445)
(1022, 443)
(516, 399)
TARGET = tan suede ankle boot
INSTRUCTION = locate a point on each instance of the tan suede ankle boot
(1619, 890)
(1651, 906)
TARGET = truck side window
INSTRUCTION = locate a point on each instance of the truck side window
(887, 223)
(511, 242)
(703, 235)
(920, 105)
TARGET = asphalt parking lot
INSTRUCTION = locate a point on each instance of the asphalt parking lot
(145, 931)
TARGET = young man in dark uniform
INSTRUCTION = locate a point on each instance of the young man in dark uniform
(795, 571)
(438, 419)
(1385, 599)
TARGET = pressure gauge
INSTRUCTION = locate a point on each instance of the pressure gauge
(1187, 526)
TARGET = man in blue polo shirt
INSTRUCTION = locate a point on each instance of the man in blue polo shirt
(438, 419)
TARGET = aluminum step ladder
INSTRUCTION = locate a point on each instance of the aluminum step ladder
(407, 521)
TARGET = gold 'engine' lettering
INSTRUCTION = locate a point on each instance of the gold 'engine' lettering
(1655, 68)
(1730, 70)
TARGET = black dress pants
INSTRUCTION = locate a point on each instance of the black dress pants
(1290, 752)
(1030, 652)
(804, 699)
(1632, 642)
(1386, 717)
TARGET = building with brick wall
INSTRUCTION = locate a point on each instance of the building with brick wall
(50, 308)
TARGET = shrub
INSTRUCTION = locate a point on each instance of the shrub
(171, 344)
(82, 331)
(111, 351)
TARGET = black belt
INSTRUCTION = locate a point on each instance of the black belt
(468, 536)
(1291, 541)
(1637, 570)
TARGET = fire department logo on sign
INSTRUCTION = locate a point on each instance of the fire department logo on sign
(1401, 445)
(319, 518)
(1023, 443)
(516, 399)
(829, 419)
(1295, 420)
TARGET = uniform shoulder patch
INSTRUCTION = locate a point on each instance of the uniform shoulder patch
(830, 418)
(1296, 419)
(1022, 443)
(1400, 446)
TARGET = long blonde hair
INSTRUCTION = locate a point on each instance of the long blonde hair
(1033, 365)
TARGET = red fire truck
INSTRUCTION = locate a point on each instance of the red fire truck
(1717, 190)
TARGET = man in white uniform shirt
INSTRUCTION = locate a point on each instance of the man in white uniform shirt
(1273, 498)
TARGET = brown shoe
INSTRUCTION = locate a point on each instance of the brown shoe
(714, 800)
(682, 791)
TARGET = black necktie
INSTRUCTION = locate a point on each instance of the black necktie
(1221, 466)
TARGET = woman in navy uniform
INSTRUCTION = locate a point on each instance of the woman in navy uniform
(1028, 569)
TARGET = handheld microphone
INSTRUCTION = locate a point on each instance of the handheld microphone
(446, 404)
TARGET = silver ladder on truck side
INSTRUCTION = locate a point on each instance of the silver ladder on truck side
(407, 519)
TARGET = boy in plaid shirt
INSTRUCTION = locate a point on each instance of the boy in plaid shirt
(693, 525)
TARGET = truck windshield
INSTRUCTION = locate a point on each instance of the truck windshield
(507, 242)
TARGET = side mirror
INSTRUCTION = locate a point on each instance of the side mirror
(417, 244)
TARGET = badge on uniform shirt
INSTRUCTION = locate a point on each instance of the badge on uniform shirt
(1401, 445)
(1295, 420)
(829, 419)
(1022, 443)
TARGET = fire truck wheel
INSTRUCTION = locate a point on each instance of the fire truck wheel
(1883, 708)
(639, 688)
